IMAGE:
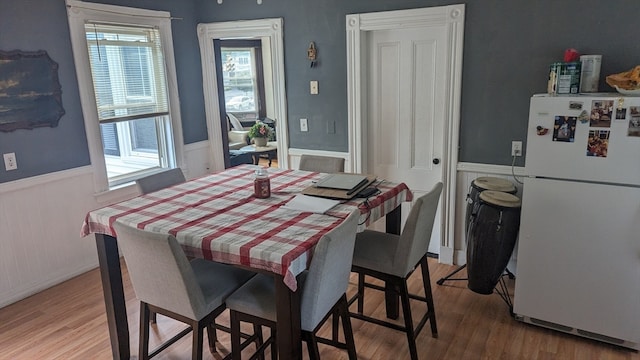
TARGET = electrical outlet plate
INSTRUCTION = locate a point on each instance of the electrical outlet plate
(10, 161)
(313, 87)
(516, 148)
(303, 125)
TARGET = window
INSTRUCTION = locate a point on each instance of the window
(243, 78)
(123, 71)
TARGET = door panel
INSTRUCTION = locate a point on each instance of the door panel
(386, 132)
(406, 108)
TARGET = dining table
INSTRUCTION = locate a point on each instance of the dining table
(218, 218)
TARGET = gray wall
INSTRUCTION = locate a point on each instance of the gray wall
(32, 25)
(508, 47)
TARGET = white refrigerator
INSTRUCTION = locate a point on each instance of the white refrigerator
(578, 260)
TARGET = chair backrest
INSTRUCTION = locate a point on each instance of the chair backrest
(160, 180)
(416, 234)
(325, 164)
(160, 271)
(235, 123)
(328, 275)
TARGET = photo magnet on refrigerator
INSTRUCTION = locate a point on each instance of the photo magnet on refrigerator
(564, 128)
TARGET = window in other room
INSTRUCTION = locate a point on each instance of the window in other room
(243, 79)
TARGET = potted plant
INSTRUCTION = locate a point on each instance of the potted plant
(260, 133)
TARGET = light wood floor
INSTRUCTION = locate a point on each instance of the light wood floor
(68, 322)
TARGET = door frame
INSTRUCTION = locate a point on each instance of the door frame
(270, 32)
(358, 25)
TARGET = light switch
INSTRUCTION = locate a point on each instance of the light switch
(313, 87)
(303, 125)
(331, 127)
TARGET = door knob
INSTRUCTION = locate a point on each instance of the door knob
(436, 161)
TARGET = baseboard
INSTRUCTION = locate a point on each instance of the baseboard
(446, 255)
(460, 257)
(34, 288)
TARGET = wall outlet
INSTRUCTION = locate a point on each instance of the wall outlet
(516, 148)
(313, 87)
(10, 161)
(303, 125)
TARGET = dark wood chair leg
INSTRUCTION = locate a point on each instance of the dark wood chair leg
(346, 328)
(274, 345)
(312, 345)
(235, 335)
(197, 346)
(426, 281)
(408, 321)
(143, 346)
(335, 318)
(360, 292)
(212, 336)
(257, 331)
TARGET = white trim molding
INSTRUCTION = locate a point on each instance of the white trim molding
(357, 27)
(269, 31)
(78, 12)
(491, 169)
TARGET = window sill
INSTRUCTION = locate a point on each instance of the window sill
(117, 193)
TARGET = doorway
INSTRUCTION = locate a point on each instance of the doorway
(269, 33)
(404, 83)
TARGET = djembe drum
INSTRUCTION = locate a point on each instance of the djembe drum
(491, 238)
(478, 186)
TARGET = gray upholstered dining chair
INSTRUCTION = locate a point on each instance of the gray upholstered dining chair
(160, 180)
(155, 182)
(166, 282)
(325, 164)
(322, 287)
(393, 258)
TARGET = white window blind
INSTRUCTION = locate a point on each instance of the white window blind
(127, 66)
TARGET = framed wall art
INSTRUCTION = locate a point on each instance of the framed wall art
(30, 93)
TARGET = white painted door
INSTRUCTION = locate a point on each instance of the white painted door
(407, 77)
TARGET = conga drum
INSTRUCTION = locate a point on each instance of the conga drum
(492, 237)
(479, 185)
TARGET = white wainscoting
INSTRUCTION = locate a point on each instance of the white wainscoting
(467, 172)
(40, 220)
(294, 157)
(197, 159)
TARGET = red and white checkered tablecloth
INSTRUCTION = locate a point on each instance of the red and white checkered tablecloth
(217, 217)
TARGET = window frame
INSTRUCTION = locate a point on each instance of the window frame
(79, 13)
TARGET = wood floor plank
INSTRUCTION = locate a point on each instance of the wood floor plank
(68, 322)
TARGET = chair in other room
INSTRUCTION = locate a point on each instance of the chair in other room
(238, 136)
(322, 287)
(160, 180)
(167, 283)
(324, 164)
(393, 258)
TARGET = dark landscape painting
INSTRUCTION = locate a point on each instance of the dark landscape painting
(30, 93)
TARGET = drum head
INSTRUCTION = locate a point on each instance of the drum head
(500, 198)
(496, 184)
